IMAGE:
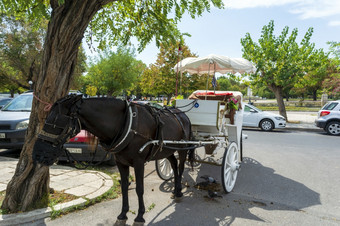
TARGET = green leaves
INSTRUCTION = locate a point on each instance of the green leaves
(281, 61)
(114, 72)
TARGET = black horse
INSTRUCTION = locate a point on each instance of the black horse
(122, 128)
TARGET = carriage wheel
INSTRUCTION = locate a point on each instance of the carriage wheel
(230, 167)
(164, 169)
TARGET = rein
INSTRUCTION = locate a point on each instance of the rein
(48, 105)
(192, 106)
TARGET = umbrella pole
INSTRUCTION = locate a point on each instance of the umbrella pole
(206, 87)
(214, 77)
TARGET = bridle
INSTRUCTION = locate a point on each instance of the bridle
(59, 127)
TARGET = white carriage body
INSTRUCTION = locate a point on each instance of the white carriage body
(208, 118)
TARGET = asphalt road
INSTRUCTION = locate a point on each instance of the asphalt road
(286, 178)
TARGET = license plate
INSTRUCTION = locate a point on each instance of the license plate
(2, 135)
(74, 150)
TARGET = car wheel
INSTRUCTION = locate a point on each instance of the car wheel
(333, 128)
(266, 125)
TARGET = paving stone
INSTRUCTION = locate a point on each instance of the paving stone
(81, 190)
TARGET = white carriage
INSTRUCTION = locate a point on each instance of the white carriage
(216, 126)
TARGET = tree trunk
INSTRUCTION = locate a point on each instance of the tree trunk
(29, 186)
(279, 98)
(314, 95)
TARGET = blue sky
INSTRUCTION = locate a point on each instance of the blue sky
(220, 31)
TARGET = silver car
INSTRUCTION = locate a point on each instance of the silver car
(329, 118)
(14, 118)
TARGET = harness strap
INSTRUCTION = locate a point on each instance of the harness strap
(126, 135)
(159, 131)
(175, 114)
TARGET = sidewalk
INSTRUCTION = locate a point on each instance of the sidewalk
(301, 121)
(85, 184)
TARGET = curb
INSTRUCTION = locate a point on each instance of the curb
(28, 217)
(307, 129)
(38, 214)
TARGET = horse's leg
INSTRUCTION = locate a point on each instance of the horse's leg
(139, 173)
(173, 161)
(124, 183)
(182, 159)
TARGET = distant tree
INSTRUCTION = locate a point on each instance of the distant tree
(316, 71)
(231, 83)
(161, 78)
(279, 60)
(149, 82)
(115, 71)
(21, 46)
(77, 81)
(331, 84)
(20, 53)
(334, 48)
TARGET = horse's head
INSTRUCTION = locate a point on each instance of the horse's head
(61, 124)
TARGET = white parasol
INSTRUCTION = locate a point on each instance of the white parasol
(214, 63)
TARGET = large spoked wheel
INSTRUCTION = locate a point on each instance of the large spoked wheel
(230, 167)
(164, 169)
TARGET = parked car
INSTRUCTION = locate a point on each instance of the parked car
(329, 118)
(14, 119)
(80, 151)
(267, 121)
(4, 101)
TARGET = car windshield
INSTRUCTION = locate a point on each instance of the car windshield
(330, 106)
(20, 103)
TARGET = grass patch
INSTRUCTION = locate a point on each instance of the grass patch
(60, 197)
(288, 108)
(57, 197)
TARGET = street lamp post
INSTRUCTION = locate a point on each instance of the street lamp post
(30, 83)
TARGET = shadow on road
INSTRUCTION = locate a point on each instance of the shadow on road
(256, 186)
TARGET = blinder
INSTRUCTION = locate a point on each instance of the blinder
(58, 128)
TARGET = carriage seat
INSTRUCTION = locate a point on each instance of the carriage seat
(203, 115)
(209, 113)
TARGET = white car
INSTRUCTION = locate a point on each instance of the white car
(329, 118)
(267, 121)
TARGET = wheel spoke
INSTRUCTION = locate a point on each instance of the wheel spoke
(235, 156)
(227, 163)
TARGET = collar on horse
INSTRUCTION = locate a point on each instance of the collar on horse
(126, 134)
(129, 130)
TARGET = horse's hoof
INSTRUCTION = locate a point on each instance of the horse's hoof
(138, 223)
(178, 199)
(120, 222)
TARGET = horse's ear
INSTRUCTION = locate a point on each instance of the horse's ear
(78, 97)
